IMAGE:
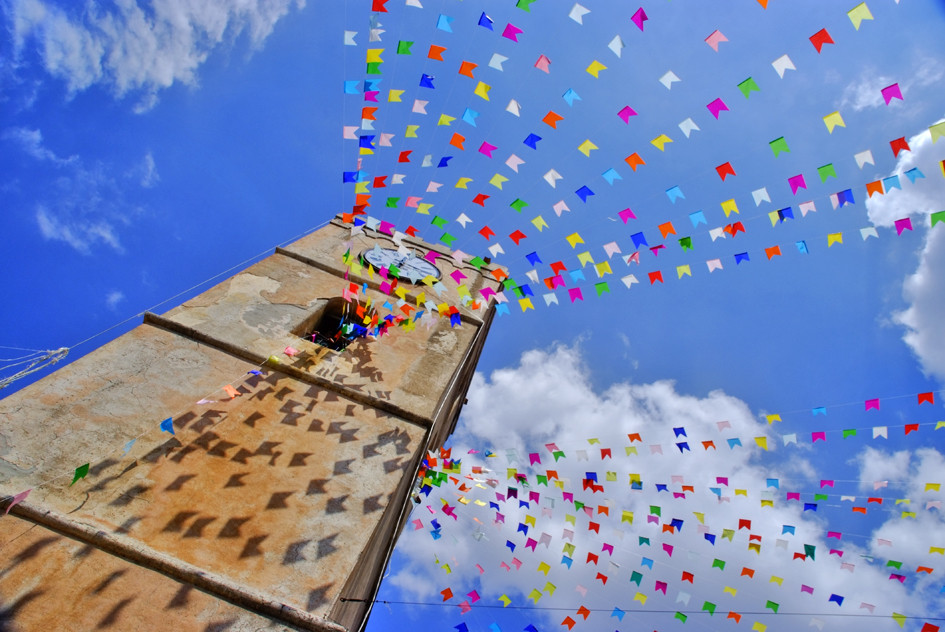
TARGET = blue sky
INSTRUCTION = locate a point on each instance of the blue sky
(146, 150)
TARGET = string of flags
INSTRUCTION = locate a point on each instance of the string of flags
(890, 93)
(442, 470)
(524, 293)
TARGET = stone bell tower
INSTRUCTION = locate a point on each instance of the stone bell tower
(249, 466)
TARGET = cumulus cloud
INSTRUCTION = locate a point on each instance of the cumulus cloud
(924, 290)
(923, 198)
(130, 47)
(905, 474)
(548, 398)
(82, 205)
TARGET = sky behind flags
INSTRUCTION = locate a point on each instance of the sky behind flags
(127, 181)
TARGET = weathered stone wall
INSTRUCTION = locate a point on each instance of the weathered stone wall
(275, 504)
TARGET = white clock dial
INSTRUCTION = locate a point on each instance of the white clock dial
(409, 266)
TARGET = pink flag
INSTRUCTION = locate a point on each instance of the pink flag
(17, 499)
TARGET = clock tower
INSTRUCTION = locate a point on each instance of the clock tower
(244, 461)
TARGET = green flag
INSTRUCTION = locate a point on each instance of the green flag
(779, 145)
(748, 86)
(826, 171)
(80, 472)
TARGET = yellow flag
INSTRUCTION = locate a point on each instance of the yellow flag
(498, 180)
(937, 131)
(833, 120)
(859, 13)
(586, 147)
(660, 141)
(595, 68)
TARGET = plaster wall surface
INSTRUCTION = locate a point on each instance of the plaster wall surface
(92, 590)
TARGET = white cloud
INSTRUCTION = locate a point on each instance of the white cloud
(548, 398)
(78, 233)
(113, 298)
(922, 198)
(907, 473)
(31, 141)
(865, 91)
(877, 468)
(82, 205)
(924, 290)
(147, 172)
(129, 48)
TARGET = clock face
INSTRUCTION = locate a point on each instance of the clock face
(409, 266)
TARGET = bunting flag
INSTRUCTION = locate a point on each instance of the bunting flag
(595, 149)
(571, 519)
(533, 502)
(531, 150)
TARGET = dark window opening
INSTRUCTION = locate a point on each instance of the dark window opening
(335, 327)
